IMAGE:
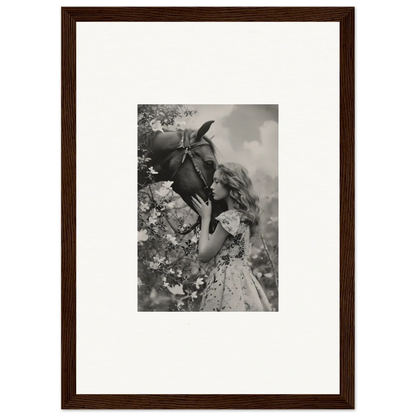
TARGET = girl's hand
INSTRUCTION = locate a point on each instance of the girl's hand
(201, 207)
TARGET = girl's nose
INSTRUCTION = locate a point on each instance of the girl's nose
(212, 186)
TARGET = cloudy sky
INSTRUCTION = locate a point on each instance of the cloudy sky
(247, 134)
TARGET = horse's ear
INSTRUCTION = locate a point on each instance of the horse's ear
(203, 129)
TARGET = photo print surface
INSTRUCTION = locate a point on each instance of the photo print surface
(207, 213)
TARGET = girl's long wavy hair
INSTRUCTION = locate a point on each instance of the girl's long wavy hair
(234, 177)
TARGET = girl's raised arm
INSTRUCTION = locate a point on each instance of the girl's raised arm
(208, 248)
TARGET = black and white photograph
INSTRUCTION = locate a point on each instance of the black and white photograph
(207, 208)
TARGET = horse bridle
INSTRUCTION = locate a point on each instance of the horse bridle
(187, 146)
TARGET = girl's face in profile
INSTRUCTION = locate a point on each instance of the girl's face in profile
(218, 190)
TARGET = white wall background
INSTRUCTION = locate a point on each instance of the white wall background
(301, 342)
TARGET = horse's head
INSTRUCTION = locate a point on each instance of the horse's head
(187, 158)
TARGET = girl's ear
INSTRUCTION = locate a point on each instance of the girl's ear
(203, 129)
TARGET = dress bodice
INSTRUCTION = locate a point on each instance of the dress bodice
(237, 246)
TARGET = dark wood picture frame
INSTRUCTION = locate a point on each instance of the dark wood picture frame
(344, 400)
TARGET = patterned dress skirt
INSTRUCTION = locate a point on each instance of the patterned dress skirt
(234, 288)
(231, 285)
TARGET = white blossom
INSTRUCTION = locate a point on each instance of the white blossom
(158, 259)
(153, 265)
(157, 262)
(167, 184)
(176, 290)
(142, 159)
(152, 171)
(171, 239)
(152, 220)
(144, 206)
(199, 282)
(142, 235)
(162, 192)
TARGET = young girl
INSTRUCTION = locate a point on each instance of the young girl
(231, 285)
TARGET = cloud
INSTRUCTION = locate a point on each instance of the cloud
(265, 152)
(254, 155)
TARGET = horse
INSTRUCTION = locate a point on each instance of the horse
(188, 159)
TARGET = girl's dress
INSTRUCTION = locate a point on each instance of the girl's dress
(231, 285)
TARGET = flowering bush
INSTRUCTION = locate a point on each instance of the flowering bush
(170, 277)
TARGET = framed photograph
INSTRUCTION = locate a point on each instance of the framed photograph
(208, 166)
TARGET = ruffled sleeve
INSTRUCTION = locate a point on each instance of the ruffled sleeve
(230, 221)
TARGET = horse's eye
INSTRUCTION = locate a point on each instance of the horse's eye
(210, 164)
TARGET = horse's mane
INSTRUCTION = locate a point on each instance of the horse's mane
(212, 146)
